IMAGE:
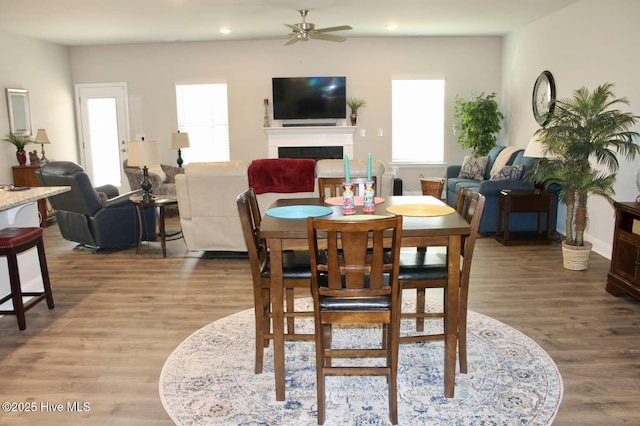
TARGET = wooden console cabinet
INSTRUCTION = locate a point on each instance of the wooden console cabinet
(26, 176)
(624, 274)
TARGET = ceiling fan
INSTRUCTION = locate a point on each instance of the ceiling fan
(303, 31)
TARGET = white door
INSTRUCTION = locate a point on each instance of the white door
(103, 126)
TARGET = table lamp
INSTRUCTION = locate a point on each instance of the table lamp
(42, 138)
(141, 154)
(178, 141)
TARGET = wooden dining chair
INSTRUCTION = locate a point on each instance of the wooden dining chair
(332, 186)
(296, 273)
(422, 270)
(355, 281)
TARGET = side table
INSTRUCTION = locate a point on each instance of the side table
(159, 201)
(26, 176)
(521, 202)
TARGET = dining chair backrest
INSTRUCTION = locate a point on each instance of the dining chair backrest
(355, 261)
(471, 207)
(333, 186)
(250, 219)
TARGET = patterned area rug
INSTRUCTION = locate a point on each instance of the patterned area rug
(209, 379)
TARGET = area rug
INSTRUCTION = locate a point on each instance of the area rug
(209, 379)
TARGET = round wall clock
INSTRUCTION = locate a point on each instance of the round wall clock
(543, 99)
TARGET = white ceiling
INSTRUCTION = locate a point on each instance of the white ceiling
(91, 22)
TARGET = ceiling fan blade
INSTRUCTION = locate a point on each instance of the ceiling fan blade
(294, 28)
(329, 29)
(292, 40)
(327, 37)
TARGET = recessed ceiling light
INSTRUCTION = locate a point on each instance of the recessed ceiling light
(391, 27)
(225, 30)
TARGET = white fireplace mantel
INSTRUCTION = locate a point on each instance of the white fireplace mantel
(307, 136)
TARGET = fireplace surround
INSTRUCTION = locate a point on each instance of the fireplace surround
(318, 137)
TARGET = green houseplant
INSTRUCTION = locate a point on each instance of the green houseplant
(354, 105)
(478, 122)
(19, 141)
(581, 143)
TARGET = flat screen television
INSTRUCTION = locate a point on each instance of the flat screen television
(299, 98)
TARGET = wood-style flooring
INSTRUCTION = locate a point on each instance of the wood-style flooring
(119, 315)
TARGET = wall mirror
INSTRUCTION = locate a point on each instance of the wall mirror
(19, 113)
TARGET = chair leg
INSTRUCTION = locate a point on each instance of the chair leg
(462, 332)
(259, 341)
(320, 364)
(44, 271)
(266, 313)
(327, 343)
(261, 304)
(420, 307)
(392, 346)
(16, 290)
(289, 303)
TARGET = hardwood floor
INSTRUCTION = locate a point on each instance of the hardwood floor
(119, 315)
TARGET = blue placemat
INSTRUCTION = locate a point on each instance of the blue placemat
(299, 212)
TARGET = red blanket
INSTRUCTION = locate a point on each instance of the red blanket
(282, 175)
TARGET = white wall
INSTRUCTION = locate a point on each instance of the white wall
(43, 69)
(585, 44)
(152, 70)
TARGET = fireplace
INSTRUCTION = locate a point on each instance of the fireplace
(315, 152)
(315, 137)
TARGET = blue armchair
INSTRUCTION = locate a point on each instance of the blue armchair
(99, 218)
(491, 190)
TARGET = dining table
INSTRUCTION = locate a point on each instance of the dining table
(427, 221)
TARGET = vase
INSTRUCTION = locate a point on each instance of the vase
(21, 156)
(354, 118)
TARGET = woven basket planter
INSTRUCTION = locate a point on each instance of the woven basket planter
(576, 258)
(432, 186)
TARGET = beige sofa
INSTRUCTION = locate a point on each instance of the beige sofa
(207, 199)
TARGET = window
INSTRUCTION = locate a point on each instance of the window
(203, 113)
(417, 120)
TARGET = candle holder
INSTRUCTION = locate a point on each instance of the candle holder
(266, 123)
(369, 195)
(348, 203)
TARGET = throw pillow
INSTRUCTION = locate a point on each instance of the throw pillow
(157, 169)
(473, 167)
(509, 173)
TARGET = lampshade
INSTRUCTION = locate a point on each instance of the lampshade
(143, 153)
(179, 140)
(41, 137)
(534, 148)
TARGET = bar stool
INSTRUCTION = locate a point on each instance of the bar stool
(12, 242)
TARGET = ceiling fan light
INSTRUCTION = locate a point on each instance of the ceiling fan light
(225, 30)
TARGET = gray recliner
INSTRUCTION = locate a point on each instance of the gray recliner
(95, 217)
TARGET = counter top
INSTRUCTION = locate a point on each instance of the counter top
(11, 199)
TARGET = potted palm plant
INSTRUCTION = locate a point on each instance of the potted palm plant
(581, 142)
(354, 105)
(478, 122)
(19, 141)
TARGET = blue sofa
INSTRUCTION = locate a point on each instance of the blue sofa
(491, 189)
